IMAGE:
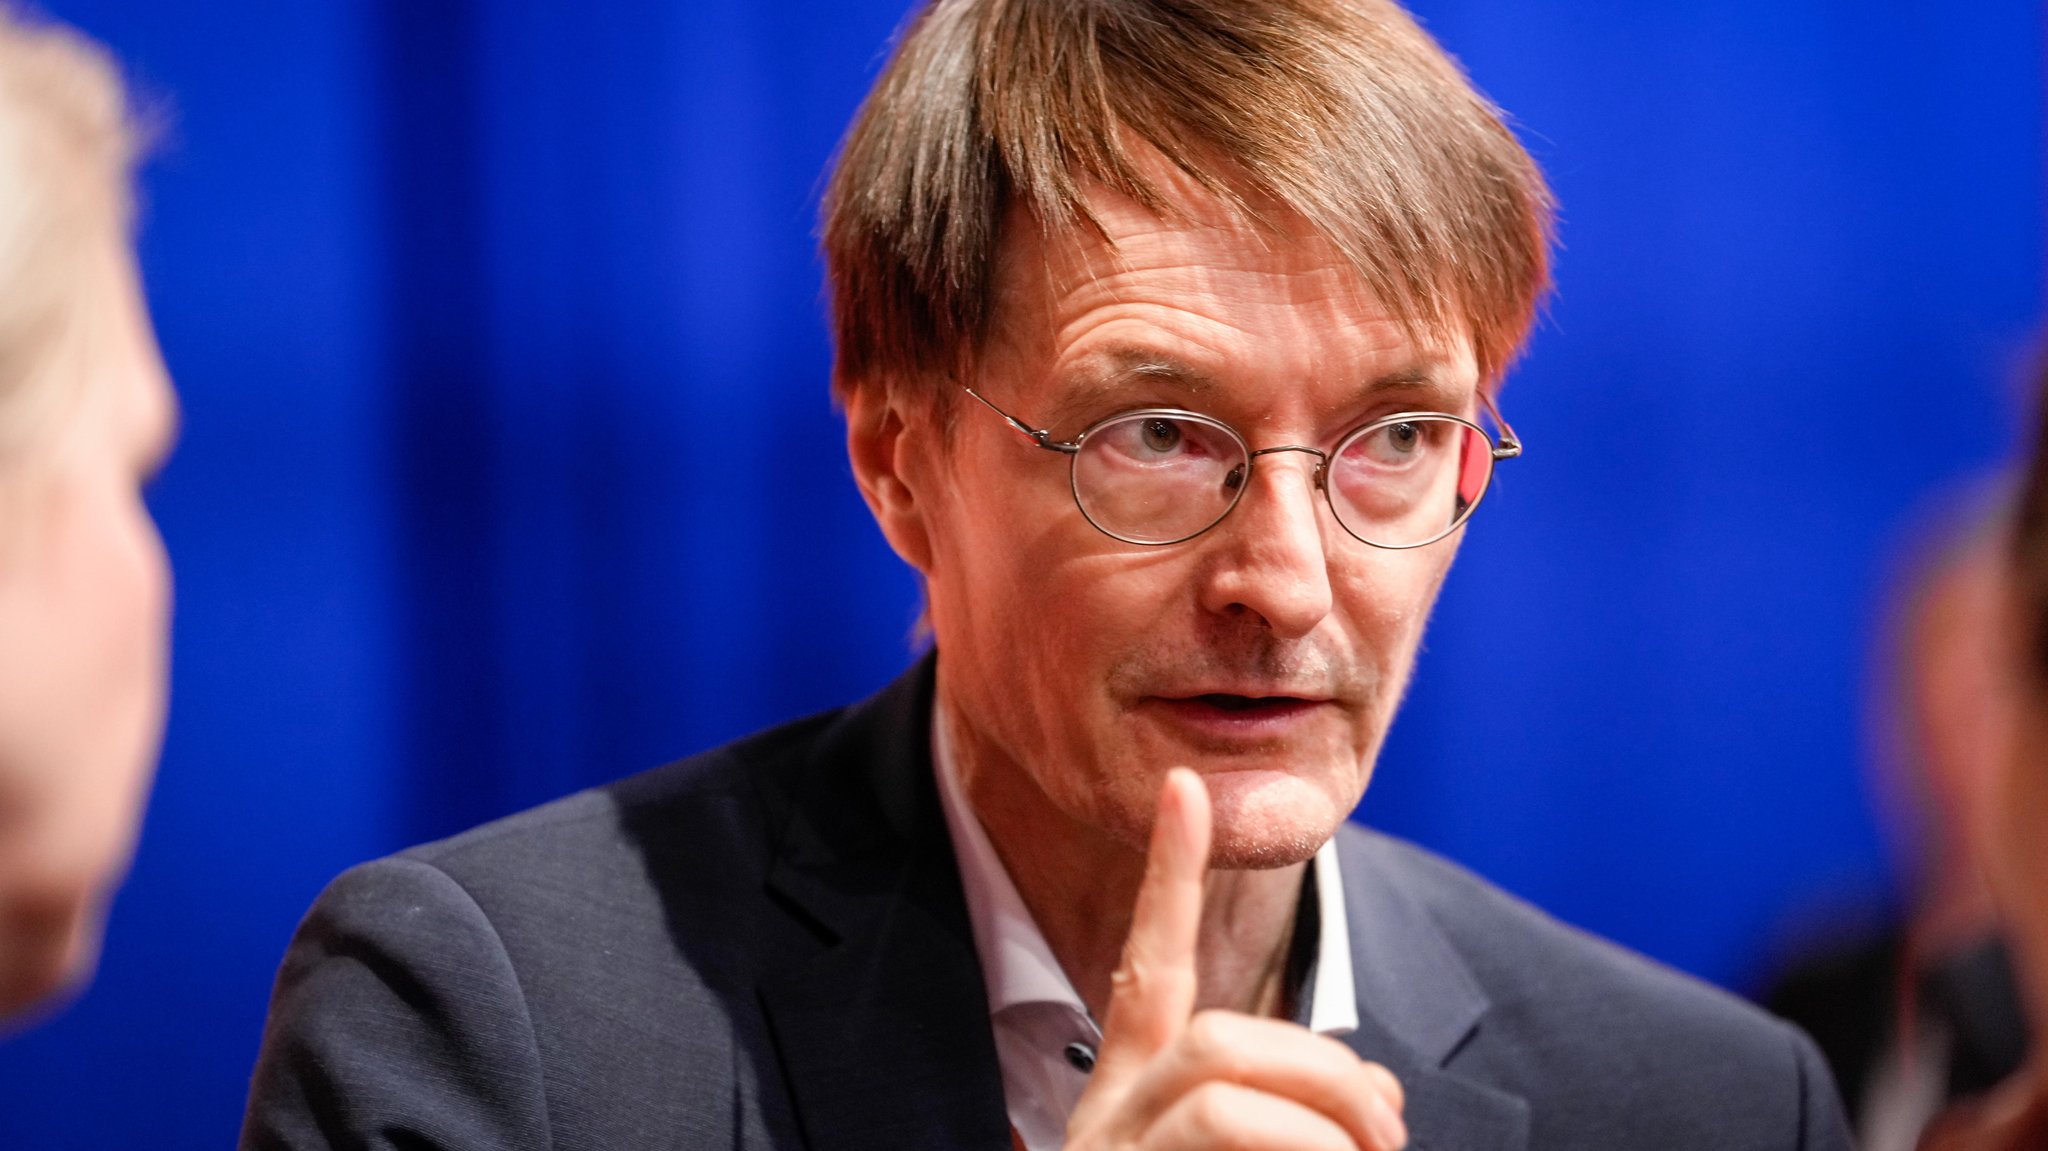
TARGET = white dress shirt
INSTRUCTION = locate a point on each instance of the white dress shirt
(1045, 1038)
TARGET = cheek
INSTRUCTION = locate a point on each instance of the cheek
(148, 589)
(1021, 583)
(82, 715)
(133, 685)
(1037, 626)
(123, 579)
(1382, 601)
(1033, 609)
(2013, 813)
(2019, 846)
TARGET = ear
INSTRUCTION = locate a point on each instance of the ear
(890, 443)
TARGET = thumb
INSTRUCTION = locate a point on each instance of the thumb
(1152, 992)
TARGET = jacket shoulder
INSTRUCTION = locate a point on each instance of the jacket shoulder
(545, 979)
(1515, 949)
(1611, 1048)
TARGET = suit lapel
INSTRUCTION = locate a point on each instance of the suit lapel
(881, 1020)
(883, 1028)
(1418, 1005)
(1445, 1111)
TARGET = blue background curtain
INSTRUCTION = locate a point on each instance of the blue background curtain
(509, 466)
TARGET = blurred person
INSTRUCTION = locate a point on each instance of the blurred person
(86, 416)
(2012, 816)
(1169, 338)
(1923, 1011)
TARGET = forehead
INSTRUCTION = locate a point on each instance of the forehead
(1204, 296)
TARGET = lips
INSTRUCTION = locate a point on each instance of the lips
(1232, 702)
(1227, 718)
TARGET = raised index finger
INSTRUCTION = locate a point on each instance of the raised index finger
(1153, 990)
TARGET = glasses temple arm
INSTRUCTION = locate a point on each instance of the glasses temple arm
(1510, 443)
(1041, 437)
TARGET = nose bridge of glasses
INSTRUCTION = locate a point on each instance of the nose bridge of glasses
(1278, 518)
(1318, 477)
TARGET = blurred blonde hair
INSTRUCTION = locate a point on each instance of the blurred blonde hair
(67, 147)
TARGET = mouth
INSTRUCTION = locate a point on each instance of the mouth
(1241, 704)
(1232, 717)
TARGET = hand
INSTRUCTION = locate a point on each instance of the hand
(1167, 1077)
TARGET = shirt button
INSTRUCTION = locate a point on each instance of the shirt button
(1081, 1057)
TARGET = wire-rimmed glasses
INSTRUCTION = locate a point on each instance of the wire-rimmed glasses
(1159, 476)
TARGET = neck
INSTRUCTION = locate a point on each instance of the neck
(1080, 886)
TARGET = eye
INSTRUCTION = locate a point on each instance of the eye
(1160, 435)
(1161, 439)
(1398, 446)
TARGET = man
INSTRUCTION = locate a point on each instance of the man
(1167, 338)
(1925, 1011)
(87, 415)
(2009, 808)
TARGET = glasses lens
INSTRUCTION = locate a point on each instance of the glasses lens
(1406, 482)
(1153, 479)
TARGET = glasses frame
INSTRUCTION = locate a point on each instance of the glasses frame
(1506, 446)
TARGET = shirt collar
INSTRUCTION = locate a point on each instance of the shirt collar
(1016, 962)
(1017, 965)
(1333, 999)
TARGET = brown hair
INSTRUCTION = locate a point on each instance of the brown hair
(1343, 112)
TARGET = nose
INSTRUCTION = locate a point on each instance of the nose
(1269, 560)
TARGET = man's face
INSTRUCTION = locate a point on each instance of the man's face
(1267, 654)
(84, 614)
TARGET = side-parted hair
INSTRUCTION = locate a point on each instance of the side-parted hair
(1342, 112)
(67, 149)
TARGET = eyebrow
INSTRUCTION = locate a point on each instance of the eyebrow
(1418, 378)
(1119, 368)
(1125, 363)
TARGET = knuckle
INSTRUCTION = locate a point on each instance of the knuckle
(1124, 979)
(1330, 1057)
(1388, 1087)
(1136, 978)
(1208, 1034)
(1130, 974)
(1211, 1108)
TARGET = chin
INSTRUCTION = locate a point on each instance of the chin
(1267, 819)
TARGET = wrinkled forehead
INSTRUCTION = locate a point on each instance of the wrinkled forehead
(1192, 260)
(1200, 235)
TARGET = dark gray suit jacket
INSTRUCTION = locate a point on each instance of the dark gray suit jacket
(766, 946)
